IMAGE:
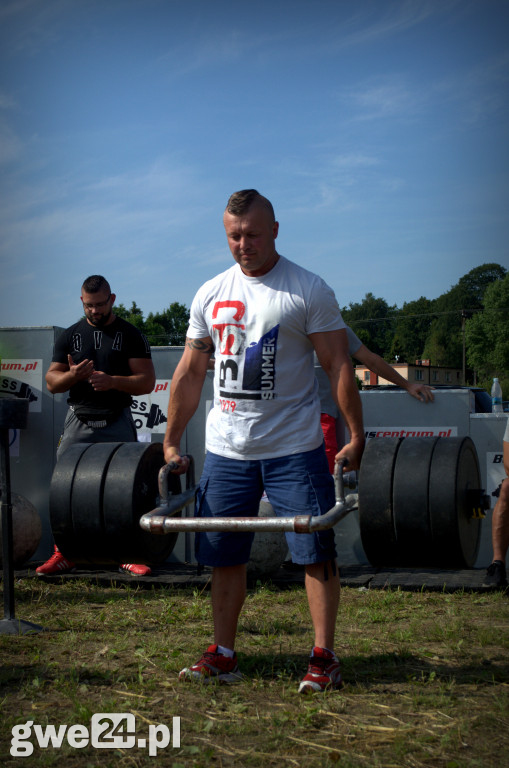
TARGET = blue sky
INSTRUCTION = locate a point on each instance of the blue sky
(378, 128)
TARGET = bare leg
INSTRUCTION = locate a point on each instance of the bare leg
(323, 598)
(228, 594)
(500, 524)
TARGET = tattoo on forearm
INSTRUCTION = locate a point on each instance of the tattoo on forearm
(200, 345)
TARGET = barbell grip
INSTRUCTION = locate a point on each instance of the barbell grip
(166, 469)
(340, 510)
(175, 503)
(160, 522)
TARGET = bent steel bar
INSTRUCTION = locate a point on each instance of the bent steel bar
(159, 521)
(162, 520)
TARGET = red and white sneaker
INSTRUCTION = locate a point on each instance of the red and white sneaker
(213, 667)
(56, 564)
(135, 570)
(323, 672)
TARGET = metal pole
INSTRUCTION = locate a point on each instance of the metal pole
(17, 410)
(7, 540)
(163, 519)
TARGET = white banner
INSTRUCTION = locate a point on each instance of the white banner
(426, 431)
(23, 378)
(495, 473)
(149, 411)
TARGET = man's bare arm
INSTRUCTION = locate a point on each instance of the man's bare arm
(185, 393)
(61, 377)
(332, 351)
(379, 366)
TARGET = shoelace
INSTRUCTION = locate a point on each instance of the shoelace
(212, 658)
(317, 664)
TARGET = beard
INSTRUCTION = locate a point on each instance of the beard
(98, 322)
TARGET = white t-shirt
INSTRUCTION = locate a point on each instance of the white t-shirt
(266, 400)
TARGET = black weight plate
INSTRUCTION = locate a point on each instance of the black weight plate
(60, 496)
(131, 490)
(90, 545)
(376, 521)
(410, 501)
(455, 531)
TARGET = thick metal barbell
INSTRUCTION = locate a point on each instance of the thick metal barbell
(162, 521)
(419, 503)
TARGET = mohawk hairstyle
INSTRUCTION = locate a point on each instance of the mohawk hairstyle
(240, 202)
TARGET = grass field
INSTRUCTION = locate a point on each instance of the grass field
(426, 679)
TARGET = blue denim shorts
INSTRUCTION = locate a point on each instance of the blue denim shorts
(299, 484)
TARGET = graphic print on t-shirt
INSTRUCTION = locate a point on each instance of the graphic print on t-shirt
(76, 342)
(247, 373)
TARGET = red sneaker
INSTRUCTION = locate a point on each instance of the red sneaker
(56, 564)
(135, 570)
(213, 667)
(323, 672)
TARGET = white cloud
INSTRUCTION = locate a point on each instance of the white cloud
(376, 20)
(383, 97)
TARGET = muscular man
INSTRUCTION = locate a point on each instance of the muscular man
(263, 319)
(101, 361)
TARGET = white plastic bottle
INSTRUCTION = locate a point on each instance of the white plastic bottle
(496, 397)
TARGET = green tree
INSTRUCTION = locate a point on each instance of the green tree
(411, 327)
(475, 282)
(173, 322)
(487, 337)
(166, 328)
(371, 320)
(155, 332)
(133, 315)
(444, 343)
